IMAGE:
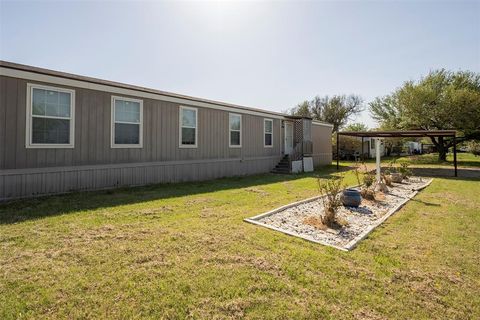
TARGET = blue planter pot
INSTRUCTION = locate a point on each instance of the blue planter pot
(351, 198)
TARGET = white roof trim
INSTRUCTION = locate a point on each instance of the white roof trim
(32, 76)
(317, 123)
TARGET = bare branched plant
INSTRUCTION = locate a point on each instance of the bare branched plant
(331, 201)
(387, 179)
(366, 182)
(356, 172)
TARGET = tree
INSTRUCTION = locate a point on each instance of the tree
(337, 110)
(356, 127)
(302, 109)
(474, 147)
(443, 100)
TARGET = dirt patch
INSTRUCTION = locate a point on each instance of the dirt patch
(196, 201)
(208, 212)
(152, 211)
(257, 190)
(367, 314)
(236, 260)
(315, 222)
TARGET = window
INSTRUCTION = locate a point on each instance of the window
(372, 143)
(127, 123)
(188, 127)
(235, 125)
(268, 132)
(50, 117)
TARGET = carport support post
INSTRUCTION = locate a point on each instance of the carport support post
(363, 152)
(338, 148)
(455, 153)
(377, 154)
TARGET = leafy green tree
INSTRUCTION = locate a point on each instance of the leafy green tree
(443, 100)
(302, 109)
(356, 127)
(337, 110)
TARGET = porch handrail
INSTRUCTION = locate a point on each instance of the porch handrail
(301, 149)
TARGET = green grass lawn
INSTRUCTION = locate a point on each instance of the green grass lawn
(463, 160)
(183, 251)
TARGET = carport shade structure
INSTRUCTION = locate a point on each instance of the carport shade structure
(400, 134)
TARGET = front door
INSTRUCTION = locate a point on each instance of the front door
(288, 137)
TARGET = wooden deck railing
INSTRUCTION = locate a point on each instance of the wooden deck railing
(301, 149)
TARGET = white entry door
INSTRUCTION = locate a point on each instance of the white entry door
(288, 137)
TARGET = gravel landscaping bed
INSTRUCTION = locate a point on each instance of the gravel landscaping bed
(299, 219)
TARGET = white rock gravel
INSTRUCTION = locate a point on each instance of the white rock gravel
(367, 216)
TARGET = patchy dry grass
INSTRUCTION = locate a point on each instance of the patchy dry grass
(183, 251)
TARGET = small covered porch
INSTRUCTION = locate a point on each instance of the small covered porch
(297, 146)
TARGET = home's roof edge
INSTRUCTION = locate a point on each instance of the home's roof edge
(322, 123)
(28, 68)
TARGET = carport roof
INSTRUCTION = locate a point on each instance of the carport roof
(400, 134)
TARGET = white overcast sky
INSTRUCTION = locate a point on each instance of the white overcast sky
(269, 55)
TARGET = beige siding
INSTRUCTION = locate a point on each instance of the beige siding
(92, 133)
(322, 145)
(92, 164)
(22, 183)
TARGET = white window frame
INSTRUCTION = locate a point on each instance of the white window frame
(265, 132)
(230, 130)
(180, 126)
(29, 116)
(113, 145)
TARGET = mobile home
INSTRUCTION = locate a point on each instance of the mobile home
(61, 132)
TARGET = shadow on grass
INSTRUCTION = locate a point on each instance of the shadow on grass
(434, 170)
(463, 173)
(463, 160)
(428, 204)
(36, 208)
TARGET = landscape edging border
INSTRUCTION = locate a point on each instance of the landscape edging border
(350, 245)
(353, 243)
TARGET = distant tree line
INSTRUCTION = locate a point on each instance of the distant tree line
(337, 109)
(443, 100)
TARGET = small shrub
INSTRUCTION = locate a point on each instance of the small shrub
(404, 170)
(474, 147)
(368, 179)
(392, 165)
(331, 201)
(367, 184)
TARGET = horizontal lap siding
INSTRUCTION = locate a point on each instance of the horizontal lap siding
(322, 145)
(3, 126)
(93, 165)
(45, 181)
(92, 133)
